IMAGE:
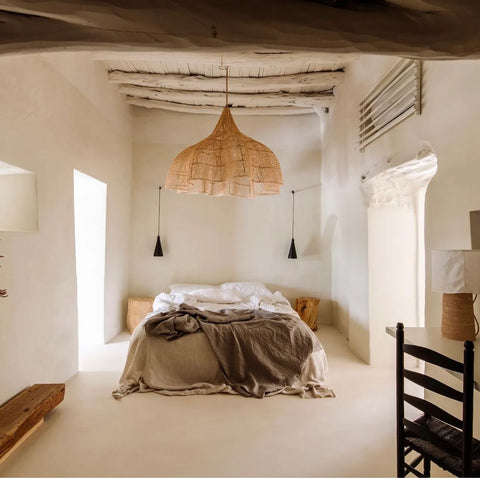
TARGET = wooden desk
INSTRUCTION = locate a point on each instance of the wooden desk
(432, 338)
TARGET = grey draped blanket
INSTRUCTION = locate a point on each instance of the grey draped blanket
(259, 352)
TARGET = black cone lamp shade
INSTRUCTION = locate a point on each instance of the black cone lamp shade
(158, 245)
(158, 248)
(292, 252)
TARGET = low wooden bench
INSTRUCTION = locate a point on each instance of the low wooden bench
(24, 413)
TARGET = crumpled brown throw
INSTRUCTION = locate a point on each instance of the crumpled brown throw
(259, 352)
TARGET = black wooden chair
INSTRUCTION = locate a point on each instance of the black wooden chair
(436, 436)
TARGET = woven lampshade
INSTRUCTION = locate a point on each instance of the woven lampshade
(456, 274)
(226, 163)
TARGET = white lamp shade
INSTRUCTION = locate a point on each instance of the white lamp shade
(456, 271)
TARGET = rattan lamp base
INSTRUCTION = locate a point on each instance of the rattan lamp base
(457, 316)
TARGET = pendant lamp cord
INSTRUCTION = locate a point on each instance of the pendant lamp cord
(158, 223)
(293, 212)
(226, 85)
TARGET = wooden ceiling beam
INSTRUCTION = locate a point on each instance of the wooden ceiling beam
(215, 110)
(450, 31)
(319, 99)
(315, 81)
(256, 57)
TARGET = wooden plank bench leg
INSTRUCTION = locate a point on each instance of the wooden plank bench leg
(25, 412)
(21, 441)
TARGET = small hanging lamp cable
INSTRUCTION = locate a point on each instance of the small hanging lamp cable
(158, 245)
(292, 253)
(226, 85)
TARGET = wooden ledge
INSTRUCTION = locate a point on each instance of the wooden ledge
(24, 412)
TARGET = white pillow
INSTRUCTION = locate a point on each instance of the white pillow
(187, 288)
(246, 289)
(214, 295)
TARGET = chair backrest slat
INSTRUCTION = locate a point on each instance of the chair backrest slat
(433, 385)
(432, 410)
(433, 357)
(425, 434)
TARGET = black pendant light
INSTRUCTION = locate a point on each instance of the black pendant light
(158, 246)
(292, 252)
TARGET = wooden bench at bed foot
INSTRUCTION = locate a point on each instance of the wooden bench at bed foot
(21, 415)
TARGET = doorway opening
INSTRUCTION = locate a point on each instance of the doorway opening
(90, 209)
(396, 250)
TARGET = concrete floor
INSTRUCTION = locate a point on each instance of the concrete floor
(148, 435)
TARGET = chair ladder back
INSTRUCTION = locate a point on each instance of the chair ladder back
(433, 357)
(433, 411)
(433, 385)
(420, 428)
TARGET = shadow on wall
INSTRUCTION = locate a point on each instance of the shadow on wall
(332, 245)
(18, 199)
(317, 249)
(18, 203)
(307, 220)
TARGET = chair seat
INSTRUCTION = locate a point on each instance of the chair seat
(449, 434)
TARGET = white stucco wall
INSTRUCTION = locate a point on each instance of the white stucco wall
(217, 239)
(58, 113)
(449, 122)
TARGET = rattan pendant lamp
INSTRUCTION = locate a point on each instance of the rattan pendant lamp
(226, 163)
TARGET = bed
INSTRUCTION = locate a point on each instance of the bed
(187, 364)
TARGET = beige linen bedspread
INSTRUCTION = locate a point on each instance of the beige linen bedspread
(188, 365)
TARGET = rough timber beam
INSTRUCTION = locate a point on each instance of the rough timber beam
(316, 81)
(257, 57)
(234, 99)
(215, 110)
(24, 411)
(448, 30)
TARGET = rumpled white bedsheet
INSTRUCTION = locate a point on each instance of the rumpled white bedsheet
(188, 364)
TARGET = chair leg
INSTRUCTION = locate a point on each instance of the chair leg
(401, 452)
(426, 467)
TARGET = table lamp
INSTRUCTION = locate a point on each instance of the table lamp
(456, 274)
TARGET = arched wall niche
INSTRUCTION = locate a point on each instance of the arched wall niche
(396, 248)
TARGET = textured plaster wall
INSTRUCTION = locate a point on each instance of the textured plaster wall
(217, 239)
(58, 113)
(449, 122)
